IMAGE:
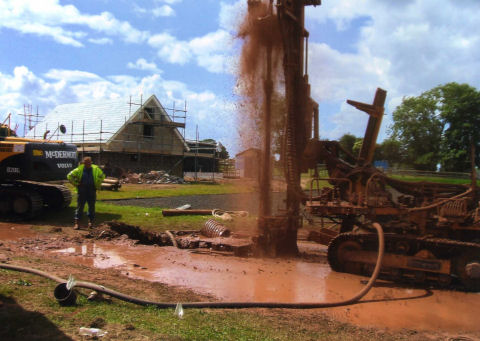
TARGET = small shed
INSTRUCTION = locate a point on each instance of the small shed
(247, 163)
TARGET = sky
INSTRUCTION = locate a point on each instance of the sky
(56, 52)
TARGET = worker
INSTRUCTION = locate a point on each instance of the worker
(87, 178)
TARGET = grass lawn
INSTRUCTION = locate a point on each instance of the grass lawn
(128, 191)
(148, 218)
(452, 181)
(152, 218)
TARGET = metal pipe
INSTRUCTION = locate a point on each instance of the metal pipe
(174, 212)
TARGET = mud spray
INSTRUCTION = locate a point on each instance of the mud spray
(260, 83)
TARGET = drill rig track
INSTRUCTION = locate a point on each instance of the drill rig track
(441, 262)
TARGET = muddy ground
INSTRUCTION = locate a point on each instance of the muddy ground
(219, 275)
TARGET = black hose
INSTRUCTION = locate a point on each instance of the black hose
(139, 301)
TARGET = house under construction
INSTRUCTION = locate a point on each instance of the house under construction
(132, 134)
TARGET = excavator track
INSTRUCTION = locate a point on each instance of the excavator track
(54, 196)
(23, 200)
(441, 262)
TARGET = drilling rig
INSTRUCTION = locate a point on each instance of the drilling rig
(432, 231)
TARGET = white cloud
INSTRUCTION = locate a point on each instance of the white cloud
(101, 41)
(49, 18)
(170, 2)
(142, 64)
(170, 49)
(71, 75)
(138, 9)
(159, 11)
(24, 87)
(406, 47)
(163, 11)
(212, 51)
(331, 70)
(231, 14)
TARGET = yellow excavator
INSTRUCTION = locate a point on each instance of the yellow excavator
(27, 169)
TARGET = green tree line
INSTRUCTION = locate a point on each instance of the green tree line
(437, 128)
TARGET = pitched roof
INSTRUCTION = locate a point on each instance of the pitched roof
(84, 121)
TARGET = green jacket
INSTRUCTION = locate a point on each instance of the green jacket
(75, 176)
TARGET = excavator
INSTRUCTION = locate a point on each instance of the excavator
(432, 230)
(27, 168)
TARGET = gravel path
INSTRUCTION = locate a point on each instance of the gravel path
(230, 202)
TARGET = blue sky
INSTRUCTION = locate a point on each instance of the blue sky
(55, 52)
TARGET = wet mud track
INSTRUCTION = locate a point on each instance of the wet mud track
(229, 202)
(287, 280)
(230, 278)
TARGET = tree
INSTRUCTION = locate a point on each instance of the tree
(357, 146)
(389, 150)
(418, 128)
(460, 109)
(347, 141)
(439, 127)
(222, 154)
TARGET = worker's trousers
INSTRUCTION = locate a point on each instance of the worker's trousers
(89, 196)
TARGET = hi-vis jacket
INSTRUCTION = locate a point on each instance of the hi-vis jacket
(75, 176)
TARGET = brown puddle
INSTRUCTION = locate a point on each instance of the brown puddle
(269, 280)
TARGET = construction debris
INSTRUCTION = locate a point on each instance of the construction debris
(152, 177)
(188, 239)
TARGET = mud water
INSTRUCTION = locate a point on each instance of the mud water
(230, 278)
(288, 280)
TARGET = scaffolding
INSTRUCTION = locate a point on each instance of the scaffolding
(146, 129)
(30, 120)
(136, 136)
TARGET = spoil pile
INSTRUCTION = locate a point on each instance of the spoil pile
(152, 177)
